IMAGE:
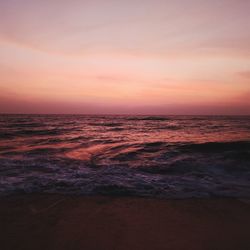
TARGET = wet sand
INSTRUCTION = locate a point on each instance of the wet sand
(31, 222)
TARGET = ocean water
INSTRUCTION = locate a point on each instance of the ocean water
(154, 156)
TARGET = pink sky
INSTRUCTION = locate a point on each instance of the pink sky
(125, 57)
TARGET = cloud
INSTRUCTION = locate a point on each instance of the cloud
(245, 74)
(88, 26)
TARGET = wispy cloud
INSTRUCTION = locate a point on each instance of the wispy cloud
(245, 74)
(125, 53)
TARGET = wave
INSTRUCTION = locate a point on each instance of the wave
(149, 118)
(155, 156)
(33, 132)
(217, 146)
(110, 124)
(170, 127)
(25, 125)
(45, 176)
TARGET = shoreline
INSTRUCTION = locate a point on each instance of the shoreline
(51, 221)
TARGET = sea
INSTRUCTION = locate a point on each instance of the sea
(173, 157)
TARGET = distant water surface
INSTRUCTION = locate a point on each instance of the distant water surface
(155, 156)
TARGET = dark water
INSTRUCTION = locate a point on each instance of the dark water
(166, 156)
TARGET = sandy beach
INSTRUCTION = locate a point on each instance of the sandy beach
(66, 222)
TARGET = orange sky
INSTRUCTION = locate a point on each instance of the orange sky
(125, 57)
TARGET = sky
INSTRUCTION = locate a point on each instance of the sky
(125, 57)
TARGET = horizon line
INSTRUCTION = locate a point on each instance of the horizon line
(102, 114)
